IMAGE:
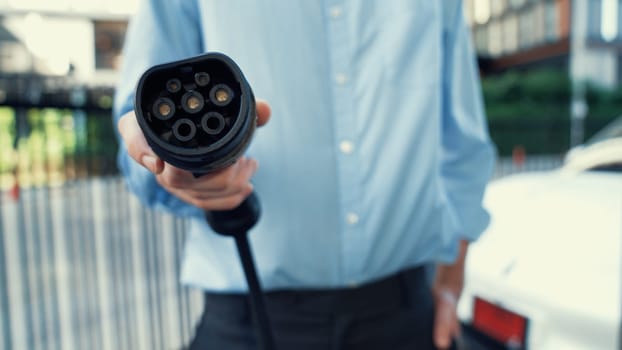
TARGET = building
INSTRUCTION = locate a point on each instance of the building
(580, 35)
(77, 38)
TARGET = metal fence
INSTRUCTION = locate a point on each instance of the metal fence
(507, 165)
(83, 265)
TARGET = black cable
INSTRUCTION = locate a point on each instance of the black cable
(260, 313)
(236, 223)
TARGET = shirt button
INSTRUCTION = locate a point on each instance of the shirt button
(346, 147)
(353, 284)
(341, 78)
(335, 12)
(352, 218)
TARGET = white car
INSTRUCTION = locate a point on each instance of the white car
(547, 273)
(602, 152)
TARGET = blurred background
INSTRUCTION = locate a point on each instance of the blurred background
(83, 265)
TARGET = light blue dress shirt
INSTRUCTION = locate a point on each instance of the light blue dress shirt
(377, 153)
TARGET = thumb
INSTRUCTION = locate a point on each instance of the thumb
(152, 163)
(137, 146)
(263, 112)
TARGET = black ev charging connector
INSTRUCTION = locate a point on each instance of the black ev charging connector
(199, 115)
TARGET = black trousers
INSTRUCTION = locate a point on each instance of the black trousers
(394, 313)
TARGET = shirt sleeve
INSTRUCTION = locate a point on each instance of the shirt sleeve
(161, 31)
(467, 153)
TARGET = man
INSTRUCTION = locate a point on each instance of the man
(373, 166)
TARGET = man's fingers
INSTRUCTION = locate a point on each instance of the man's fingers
(220, 191)
(445, 324)
(137, 146)
(204, 195)
(457, 331)
(263, 112)
(225, 203)
(442, 335)
(231, 180)
(234, 183)
(225, 181)
(214, 203)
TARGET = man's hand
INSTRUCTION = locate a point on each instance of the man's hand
(221, 190)
(447, 289)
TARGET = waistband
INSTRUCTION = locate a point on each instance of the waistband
(394, 291)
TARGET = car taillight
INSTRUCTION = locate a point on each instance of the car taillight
(499, 323)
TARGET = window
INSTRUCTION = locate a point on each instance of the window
(495, 42)
(510, 34)
(481, 40)
(498, 7)
(539, 36)
(525, 29)
(551, 21)
(108, 43)
(609, 20)
(481, 11)
(517, 3)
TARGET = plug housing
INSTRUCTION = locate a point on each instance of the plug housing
(197, 114)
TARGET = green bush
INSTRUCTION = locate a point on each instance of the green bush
(532, 109)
